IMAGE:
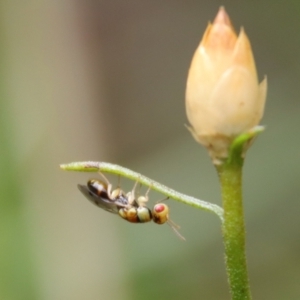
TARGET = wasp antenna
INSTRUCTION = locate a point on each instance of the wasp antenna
(174, 227)
(172, 223)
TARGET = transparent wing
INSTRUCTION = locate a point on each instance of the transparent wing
(106, 204)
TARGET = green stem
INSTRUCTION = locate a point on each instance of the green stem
(233, 227)
(91, 166)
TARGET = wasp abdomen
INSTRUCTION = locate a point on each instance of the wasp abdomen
(98, 187)
(136, 214)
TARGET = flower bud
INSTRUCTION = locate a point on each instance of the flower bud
(223, 96)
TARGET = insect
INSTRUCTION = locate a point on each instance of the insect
(127, 206)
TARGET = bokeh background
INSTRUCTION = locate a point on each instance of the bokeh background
(105, 81)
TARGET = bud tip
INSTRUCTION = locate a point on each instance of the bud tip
(222, 17)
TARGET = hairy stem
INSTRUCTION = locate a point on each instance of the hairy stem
(233, 227)
(234, 231)
(115, 169)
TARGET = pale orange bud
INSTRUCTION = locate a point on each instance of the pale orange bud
(223, 96)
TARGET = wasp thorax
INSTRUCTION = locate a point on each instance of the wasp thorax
(116, 193)
(98, 187)
(160, 213)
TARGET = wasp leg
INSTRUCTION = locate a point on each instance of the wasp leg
(105, 179)
(131, 195)
(112, 194)
(109, 185)
(118, 192)
(163, 200)
(142, 200)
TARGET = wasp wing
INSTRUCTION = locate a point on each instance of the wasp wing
(106, 204)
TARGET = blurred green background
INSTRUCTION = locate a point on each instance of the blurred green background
(105, 81)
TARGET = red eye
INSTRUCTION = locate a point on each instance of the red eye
(160, 213)
(159, 208)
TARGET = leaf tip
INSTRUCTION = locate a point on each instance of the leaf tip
(63, 167)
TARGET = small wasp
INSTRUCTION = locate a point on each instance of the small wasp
(127, 206)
